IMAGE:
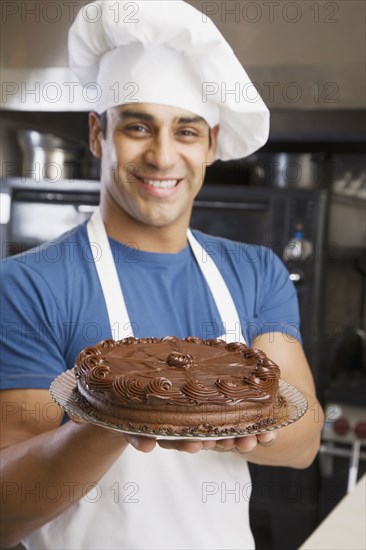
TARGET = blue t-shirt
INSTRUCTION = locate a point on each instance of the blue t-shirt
(52, 304)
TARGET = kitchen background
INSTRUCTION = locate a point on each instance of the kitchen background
(303, 194)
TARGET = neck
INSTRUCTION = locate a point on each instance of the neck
(124, 229)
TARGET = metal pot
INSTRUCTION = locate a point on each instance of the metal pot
(289, 170)
(47, 157)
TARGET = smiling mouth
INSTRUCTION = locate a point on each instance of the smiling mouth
(160, 184)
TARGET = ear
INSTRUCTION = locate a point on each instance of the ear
(211, 157)
(95, 135)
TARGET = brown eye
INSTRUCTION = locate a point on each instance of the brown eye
(187, 133)
(136, 131)
(137, 128)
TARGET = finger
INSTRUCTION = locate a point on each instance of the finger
(246, 444)
(140, 443)
(267, 439)
(76, 419)
(226, 444)
(209, 444)
(184, 445)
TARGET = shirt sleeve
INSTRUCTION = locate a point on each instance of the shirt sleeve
(277, 307)
(31, 329)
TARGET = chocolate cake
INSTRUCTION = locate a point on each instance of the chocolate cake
(170, 386)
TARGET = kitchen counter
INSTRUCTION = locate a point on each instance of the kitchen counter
(345, 527)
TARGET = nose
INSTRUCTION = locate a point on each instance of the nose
(162, 151)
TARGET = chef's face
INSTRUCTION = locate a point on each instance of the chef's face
(153, 160)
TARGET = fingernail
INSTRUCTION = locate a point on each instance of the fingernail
(133, 440)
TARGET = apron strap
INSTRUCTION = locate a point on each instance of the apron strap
(108, 276)
(222, 297)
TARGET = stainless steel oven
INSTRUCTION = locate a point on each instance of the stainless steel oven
(37, 212)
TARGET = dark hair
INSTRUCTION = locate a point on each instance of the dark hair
(103, 123)
(103, 127)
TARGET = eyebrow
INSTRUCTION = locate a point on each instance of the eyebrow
(129, 113)
(190, 120)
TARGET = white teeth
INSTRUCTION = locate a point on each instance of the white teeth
(162, 184)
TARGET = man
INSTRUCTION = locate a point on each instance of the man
(133, 270)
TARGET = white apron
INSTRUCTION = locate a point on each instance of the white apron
(164, 499)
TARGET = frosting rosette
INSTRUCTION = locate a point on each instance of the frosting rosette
(129, 387)
(199, 393)
(240, 392)
(99, 377)
(176, 359)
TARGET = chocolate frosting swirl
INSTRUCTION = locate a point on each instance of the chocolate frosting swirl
(108, 344)
(129, 340)
(215, 342)
(193, 340)
(240, 392)
(172, 339)
(250, 354)
(176, 359)
(87, 363)
(162, 388)
(128, 387)
(93, 352)
(158, 385)
(196, 391)
(100, 377)
(236, 346)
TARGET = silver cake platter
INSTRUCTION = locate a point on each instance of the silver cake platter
(63, 393)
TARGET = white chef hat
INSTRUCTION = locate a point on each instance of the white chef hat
(169, 53)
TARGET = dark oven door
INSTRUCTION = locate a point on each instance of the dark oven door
(271, 217)
(238, 213)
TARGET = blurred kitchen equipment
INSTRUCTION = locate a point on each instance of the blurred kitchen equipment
(47, 157)
(284, 169)
(41, 211)
(344, 433)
